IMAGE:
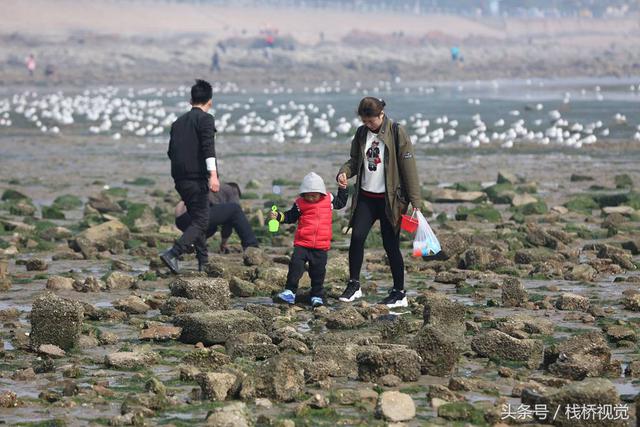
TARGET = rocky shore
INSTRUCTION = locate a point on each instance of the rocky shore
(533, 300)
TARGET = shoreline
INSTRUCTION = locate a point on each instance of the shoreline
(100, 45)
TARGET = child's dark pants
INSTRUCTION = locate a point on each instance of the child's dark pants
(317, 259)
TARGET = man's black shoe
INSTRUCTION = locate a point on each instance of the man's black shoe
(170, 260)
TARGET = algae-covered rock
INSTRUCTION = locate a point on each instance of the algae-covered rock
(102, 237)
(438, 349)
(401, 361)
(280, 378)
(131, 359)
(56, 321)
(580, 356)
(500, 346)
(213, 292)
(599, 392)
(216, 327)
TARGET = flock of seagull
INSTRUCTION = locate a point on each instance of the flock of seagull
(149, 112)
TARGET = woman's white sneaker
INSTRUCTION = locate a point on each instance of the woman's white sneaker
(395, 299)
(352, 293)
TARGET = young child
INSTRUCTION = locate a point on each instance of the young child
(313, 213)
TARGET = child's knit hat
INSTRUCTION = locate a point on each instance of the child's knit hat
(313, 183)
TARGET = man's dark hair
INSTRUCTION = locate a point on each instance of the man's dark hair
(201, 92)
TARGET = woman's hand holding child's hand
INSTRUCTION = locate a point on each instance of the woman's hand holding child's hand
(273, 215)
(342, 180)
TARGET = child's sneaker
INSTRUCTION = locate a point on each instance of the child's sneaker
(352, 292)
(316, 302)
(287, 296)
(396, 298)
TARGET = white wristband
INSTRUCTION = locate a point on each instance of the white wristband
(211, 163)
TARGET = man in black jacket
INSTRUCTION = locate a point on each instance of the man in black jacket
(193, 168)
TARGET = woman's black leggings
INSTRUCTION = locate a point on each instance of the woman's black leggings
(368, 210)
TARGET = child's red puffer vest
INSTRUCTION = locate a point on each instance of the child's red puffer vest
(314, 226)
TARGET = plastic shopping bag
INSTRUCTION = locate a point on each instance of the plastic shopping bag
(425, 243)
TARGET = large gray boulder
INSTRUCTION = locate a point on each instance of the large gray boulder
(102, 237)
(581, 356)
(513, 293)
(453, 245)
(397, 360)
(131, 305)
(599, 392)
(59, 283)
(216, 385)
(206, 359)
(118, 280)
(346, 318)
(178, 305)
(251, 345)
(439, 310)
(571, 301)
(131, 359)
(446, 195)
(280, 378)
(216, 327)
(234, 414)
(56, 321)
(500, 346)
(341, 358)
(213, 292)
(438, 349)
(520, 326)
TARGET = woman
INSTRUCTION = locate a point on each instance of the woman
(383, 163)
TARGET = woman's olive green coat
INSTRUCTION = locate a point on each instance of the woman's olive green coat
(401, 174)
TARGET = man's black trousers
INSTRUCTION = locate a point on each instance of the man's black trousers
(195, 195)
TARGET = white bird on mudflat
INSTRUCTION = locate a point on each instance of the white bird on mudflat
(555, 115)
(278, 137)
(307, 138)
(343, 126)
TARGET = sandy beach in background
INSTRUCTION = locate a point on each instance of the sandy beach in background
(102, 42)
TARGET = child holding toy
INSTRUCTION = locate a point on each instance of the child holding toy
(313, 212)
